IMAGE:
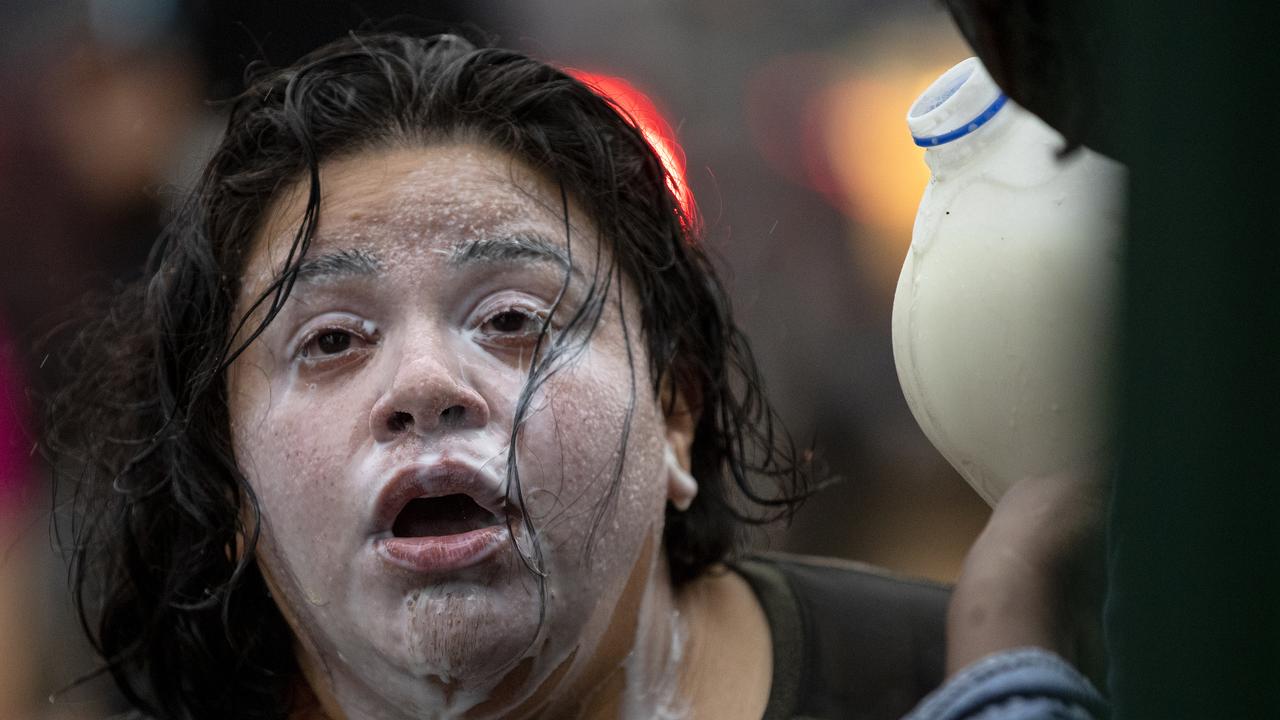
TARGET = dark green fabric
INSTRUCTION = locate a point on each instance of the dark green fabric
(850, 641)
(1193, 621)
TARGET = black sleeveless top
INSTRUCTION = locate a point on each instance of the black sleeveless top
(850, 641)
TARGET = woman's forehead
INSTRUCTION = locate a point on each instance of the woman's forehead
(428, 198)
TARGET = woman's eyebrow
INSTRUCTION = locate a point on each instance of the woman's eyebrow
(356, 262)
(338, 264)
(508, 248)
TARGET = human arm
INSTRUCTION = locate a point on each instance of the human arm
(1026, 611)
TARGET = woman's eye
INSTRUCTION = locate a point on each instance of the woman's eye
(513, 326)
(332, 342)
(511, 321)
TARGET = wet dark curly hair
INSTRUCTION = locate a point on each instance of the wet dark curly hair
(140, 435)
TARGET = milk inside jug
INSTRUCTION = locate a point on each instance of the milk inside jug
(1005, 312)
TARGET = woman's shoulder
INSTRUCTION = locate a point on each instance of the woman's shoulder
(848, 637)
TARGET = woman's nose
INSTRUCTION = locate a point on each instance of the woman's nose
(427, 395)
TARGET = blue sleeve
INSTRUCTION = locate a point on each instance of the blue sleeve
(1021, 684)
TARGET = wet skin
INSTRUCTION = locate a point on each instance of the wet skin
(401, 354)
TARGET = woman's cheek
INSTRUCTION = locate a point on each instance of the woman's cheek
(296, 463)
(572, 445)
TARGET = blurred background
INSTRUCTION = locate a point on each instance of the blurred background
(788, 114)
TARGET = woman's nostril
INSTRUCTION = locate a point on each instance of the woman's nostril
(452, 415)
(399, 421)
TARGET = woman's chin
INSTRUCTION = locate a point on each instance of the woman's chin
(458, 638)
(470, 660)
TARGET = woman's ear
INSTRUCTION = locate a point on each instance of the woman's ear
(681, 487)
(681, 418)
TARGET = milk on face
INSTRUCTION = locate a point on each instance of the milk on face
(1005, 312)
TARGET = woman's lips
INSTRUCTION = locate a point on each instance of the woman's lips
(443, 553)
(441, 477)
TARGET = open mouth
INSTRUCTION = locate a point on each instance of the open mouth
(442, 516)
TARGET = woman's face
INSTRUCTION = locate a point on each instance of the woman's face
(373, 420)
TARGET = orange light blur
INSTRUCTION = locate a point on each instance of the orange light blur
(880, 171)
(646, 118)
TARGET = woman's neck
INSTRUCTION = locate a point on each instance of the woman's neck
(706, 653)
(727, 670)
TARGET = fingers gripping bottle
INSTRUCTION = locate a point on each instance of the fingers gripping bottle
(1004, 315)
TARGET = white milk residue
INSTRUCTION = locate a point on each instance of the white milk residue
(653, 667)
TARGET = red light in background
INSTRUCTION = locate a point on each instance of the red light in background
(652, 125)
(14, 439)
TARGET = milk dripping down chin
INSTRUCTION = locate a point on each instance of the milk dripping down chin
(1005, 312)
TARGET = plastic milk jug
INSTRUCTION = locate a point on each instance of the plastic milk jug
(1004, 314)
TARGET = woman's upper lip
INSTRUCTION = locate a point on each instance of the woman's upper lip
(446, 476)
